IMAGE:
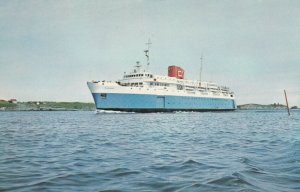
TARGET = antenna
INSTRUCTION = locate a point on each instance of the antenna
(201, 65)
(147, 53)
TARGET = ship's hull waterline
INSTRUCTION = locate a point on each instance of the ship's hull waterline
(144, 103)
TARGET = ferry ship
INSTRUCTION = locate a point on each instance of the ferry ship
(142, 91)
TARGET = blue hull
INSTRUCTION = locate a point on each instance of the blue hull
(163, 103)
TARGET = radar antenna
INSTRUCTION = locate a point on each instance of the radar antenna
(147, 53)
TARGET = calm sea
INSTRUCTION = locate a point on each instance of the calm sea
(85, 151)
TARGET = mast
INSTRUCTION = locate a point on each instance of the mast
(137, 66)
(147, 53)
(201, 64)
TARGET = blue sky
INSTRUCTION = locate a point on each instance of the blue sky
(49, 49)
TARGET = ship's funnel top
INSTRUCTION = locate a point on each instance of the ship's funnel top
(175, 71)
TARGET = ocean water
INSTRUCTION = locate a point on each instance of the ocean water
(87, 151)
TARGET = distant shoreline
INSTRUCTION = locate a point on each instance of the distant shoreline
(253, 106)
(46, 106)
(82, 106)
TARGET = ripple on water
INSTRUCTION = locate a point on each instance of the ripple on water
(83, 151)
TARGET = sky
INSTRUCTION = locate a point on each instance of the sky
(50, 49)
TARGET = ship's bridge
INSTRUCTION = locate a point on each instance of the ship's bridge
(137, 75)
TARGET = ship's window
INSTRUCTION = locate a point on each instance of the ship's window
(103, 95)
(151, 83)
(151, 76)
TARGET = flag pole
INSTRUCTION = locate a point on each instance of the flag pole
(287, 104)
